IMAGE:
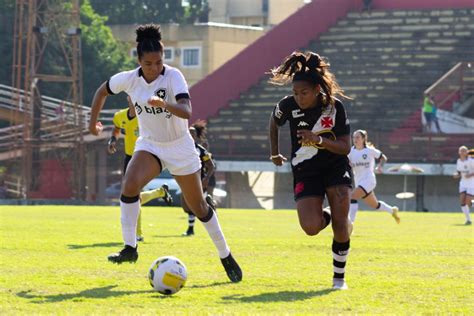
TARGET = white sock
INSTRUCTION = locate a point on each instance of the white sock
(353, 211)
(129, 219)
(385, 207)
(214, 230)
(465, 210)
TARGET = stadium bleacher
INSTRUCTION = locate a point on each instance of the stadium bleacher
(384, 61)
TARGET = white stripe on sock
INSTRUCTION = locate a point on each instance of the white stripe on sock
(339, 258)
(339, 270)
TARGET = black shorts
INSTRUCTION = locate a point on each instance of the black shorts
(125, 162)
(316, 184)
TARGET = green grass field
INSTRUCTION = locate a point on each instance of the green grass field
(53, 261)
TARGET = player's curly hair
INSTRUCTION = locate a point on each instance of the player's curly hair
(148, 39)
(309, 67)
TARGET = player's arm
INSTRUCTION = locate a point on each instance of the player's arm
(275, 155)
(341, 145)
(381, 161)
(111, 144)
(182, 108)
(98, 101)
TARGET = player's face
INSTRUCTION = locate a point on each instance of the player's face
(306, 94)
(152, 65)
(358, 140)
(463, 153)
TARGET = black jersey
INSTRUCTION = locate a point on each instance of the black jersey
(204, 155)
(309, 158)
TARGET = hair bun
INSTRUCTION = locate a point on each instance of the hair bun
(148, 32)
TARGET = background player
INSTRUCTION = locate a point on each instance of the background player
(465, 172)
(207, 170)
(362, 157)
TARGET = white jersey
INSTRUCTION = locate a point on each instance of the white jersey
(363, 163)
(155, 123)
(464, 167)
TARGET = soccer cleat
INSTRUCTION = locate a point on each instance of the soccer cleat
(468, 223)
(339, 284)
(167, 198)
(232, 268)
(140, 238)
(395, 214)
(127, 254)
(189, 232)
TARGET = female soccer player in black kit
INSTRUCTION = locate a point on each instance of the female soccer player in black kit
(320, 137)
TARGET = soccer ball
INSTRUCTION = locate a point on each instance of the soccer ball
(167, 275)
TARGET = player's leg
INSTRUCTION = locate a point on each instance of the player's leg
(356, 195)
(372, 201)
(191, 218)
(191, 189)
(339, 198)
(159, 193)
(465, 198)
(310, 214)
(142, 168)
(139, 226)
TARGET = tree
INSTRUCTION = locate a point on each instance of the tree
(102, 55)
(156, 11)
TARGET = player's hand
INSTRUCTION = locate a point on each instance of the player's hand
(379, 170)
(111, 149)
(157, 102)
(96, 129)
(278, 160)
(305, 135)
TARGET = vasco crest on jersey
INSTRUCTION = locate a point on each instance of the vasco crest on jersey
(161, 93)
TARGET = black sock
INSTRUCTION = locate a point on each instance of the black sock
(340, 251)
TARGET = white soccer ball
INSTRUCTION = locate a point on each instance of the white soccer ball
(167, 275)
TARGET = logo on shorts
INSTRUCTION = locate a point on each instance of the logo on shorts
(161, 93)
(346, 175)
(138, 109)
(299, 187)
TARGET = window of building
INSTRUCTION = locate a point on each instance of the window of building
(191, 57)
(169, 53)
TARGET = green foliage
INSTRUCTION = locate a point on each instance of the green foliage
(148, 11)
(53, 261)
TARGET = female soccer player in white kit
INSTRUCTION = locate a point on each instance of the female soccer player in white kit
(161, 98)
(465, 171)
(362, 158)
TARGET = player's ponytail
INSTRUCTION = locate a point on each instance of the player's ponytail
(148, 39)
(308, 67)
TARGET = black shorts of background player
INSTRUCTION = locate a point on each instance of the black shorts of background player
(320, 137)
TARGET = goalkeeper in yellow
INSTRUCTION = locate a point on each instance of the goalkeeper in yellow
(126, 123)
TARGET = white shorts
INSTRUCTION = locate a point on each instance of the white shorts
(367, 184)
(180, 156)
(465, 189)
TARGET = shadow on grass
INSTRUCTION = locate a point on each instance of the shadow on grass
(282, 296)
(462, 225)
(209, 285)
(95, 293)
(98, 245)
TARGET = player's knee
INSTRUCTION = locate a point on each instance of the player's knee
(311, 230)
(131, 186)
